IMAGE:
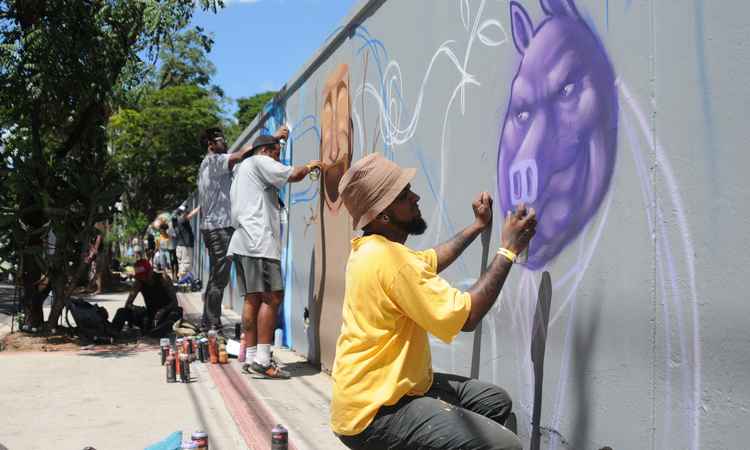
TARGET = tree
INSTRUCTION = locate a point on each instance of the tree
(183, 60)
(249, 107)
(157, 148)
(64, 66)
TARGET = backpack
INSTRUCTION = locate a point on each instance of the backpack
(91, 319)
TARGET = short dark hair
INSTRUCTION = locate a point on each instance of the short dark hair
(209, 134)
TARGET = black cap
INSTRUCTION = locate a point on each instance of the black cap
(262, 141)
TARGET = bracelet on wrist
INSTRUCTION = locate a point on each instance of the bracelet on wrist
(509, 255)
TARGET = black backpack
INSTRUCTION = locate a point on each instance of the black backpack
(91, 320)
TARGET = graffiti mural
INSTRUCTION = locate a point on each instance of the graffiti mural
(551, 103)
(334, 227)
(559, 138)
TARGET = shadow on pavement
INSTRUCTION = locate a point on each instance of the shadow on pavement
(300, 369)
(115, 351)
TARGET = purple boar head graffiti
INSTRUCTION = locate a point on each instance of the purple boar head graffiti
(558, 141)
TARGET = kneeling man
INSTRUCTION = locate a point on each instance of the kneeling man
(385, 393)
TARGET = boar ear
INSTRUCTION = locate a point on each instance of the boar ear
(560, 8)
(521, 25)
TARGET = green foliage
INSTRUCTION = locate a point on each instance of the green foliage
(249, 107)
(157, 146)
(128, 224)
(183, 60)
(65, 65)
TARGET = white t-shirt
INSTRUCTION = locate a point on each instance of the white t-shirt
(214, 181)
(256, 208)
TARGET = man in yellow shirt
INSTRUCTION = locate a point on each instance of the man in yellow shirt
(385, 395)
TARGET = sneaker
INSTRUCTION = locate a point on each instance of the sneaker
(269, 371)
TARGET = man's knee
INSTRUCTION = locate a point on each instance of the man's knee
(274, 299)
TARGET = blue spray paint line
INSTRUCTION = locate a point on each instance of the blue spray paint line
(711, 139)
(288, 288)
(441, 204)
(277, 117)
(308, 195)
(311, 192)
(606, 15)
(376, 46)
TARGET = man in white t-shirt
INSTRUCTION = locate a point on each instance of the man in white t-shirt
(256, 245)
(214, 182)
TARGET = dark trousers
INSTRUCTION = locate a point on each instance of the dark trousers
(451, 415)
(144, 319)
(217, 242)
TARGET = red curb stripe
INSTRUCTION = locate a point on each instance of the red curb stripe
(251, 414)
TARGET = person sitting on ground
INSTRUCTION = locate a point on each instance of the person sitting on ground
(162, 309)
(256, 245)
(385, 394)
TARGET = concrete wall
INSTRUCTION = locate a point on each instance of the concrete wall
(623, 123)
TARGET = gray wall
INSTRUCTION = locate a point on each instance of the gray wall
(647, 344)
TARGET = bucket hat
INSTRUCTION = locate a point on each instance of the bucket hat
(370, 185)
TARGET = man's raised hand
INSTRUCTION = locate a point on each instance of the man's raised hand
(482, 207)
(519, 228)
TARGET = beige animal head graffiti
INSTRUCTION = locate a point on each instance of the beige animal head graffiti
(336, 134)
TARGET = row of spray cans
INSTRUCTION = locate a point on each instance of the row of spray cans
(178, 357)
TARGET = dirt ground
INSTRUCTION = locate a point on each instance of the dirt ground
(64, 341)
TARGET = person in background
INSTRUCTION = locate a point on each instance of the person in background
(214, 183)
(255, 246)
(163, 244)
(172, 250)
(185, 240)
(385, 394)
(162, 309)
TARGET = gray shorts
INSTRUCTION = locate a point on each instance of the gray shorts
(258, 274)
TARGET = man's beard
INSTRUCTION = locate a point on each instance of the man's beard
(415, 226)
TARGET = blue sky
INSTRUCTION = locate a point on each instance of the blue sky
(260, 44)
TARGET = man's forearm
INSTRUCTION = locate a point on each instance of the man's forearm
(237, 156)
(129, 301)
(485, 291)
(298, 173)
(448, 251)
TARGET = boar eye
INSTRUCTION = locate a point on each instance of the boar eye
(567, 90)
(522, 116)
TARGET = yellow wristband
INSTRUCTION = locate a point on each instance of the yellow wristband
(508, 254)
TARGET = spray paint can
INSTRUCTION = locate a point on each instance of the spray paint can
(164, 349)
(171, 369)
(203, 350)
(279, 438)
(177, 355)
(185, 368)
(314, 173)
(190, 350)
(201, 440)
(278, 338)
(243, 348)
(223, 355)
(213, 347)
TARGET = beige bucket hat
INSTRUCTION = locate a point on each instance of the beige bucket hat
(370, 185)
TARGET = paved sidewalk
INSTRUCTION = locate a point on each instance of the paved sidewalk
(116, 397)
(301, 403)
(108, 397)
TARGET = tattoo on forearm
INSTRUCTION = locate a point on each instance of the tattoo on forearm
(452, 249)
